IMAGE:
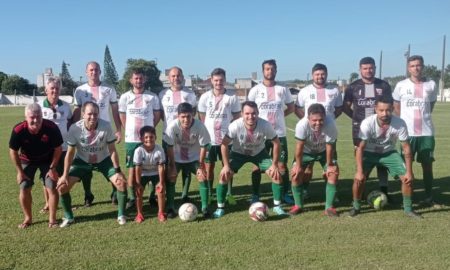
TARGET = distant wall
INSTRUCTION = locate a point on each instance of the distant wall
(26, 99)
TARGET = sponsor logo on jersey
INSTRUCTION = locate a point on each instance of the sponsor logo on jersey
(270, 106)
(415, 103)
(366, 102)
(379, 91)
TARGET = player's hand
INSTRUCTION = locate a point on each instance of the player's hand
(62, 181)
(172, 172)
(160, 188)
(52, 174)
(201, 174)
(360, 177)
(296, 173)
(274, 173)
(120, 177)
(332, 170)
(118, 135)
(408, 178)
(225, 174)
(21, 176)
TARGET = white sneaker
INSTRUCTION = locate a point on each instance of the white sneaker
(66, 222)
(122, 220)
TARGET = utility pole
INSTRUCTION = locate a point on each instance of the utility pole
(407, 54)
(441, 82)
(381, 63)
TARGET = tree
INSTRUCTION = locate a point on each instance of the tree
(394, 80)
(353, 77)
(68, 85)
(3, 76)
(16, 83)
(431, 72)
(110, 75)
(150, 70)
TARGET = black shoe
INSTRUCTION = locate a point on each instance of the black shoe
(206, 214)
(354, 212)
(88, 200)
(130, 204)
(171, 213)
(413, 214)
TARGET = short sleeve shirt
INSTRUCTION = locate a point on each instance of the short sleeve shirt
(415, 103)
(271, 102)
(59, 115)
(171, 99)
(92, 146)
(102, 95)
(218, 112)
(250, 142)
(138, 109)
(315, 141)
(382, 139)
(186, 142)
(330, 97)
(149, 161)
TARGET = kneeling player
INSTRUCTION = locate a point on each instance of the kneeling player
(379, 134)
(248, 135)
(149, 162)
(316, 138)
(187, 140)
(91, 142)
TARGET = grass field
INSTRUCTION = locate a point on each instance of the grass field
(373, 240)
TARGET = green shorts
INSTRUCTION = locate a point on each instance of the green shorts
(129, 150)
(309, 159)
(80, 168)
(214, 153)
(422, 148)
(191, 167)
(283, 157)
(262, 160)
(152, 178)
(391, 160)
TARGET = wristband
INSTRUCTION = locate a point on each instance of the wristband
(118, 170)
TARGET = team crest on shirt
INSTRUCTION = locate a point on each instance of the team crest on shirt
(379, 91)
(312, 96)
(409, 91)
(261, 95)
(44, 138)
(241, 137)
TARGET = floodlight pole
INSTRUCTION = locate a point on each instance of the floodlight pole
(441, 82)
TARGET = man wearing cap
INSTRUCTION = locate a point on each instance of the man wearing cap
(359, 103)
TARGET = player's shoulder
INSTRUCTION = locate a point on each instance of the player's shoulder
(83, 87)
(106, 86)
(20, 127)
(49, 125)
(164, 92)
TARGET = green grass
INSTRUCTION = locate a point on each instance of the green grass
(374, 240)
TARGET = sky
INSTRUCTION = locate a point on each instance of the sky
(238, 36)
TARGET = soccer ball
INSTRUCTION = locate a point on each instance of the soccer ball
(258, 211)
(188, 212)
(377, 199)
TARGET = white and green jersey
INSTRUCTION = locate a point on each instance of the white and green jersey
(149, 160)
(171, 99)
(60, 114)
(382, 139)
(186, 142)
(92, 146)
(250, 142)
(218, 112)
(315, 141)
(415, 103)
(138, 109)
(330, 97)
(271, 102)
(102, 95)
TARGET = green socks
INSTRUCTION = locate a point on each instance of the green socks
(357, 204)
(203, 189)
(66, 203)
(221, 192)
(407, 203)
(121, 202)
(297, 193)
(277, 190)
(330, 192)
(186, 177)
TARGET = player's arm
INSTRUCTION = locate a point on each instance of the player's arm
(338, 111)
(432, 106)
(202, 116)
(162, 179)
(397, 108)
(52, 173)
(226, 172)
(171, 170)
(117, 122)
(300, 112)
(347, 108)
(201, 171)
(359, 175)
(156, 117)
(289, 108)
(406, 148)
(332, 168)
(14, 155)
(76, 114)
(123, 118)
(297, 170)
(70, 154)
(138, 174)
(275, 151)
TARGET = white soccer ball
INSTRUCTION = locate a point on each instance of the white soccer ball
(377, 199)
(258, 211)
(188, 212)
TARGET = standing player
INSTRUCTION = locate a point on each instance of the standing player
(378, 136)
(217, 108)
(248, 135)
(187, 140)
(137, 108)
(104, 96)
(322, 93)
(91, 147)
(59, 112)
(316, 137)
(414, 100)
(36, 144)
(149, 160)
(271, 99)
(359, 101)
(170, 99)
